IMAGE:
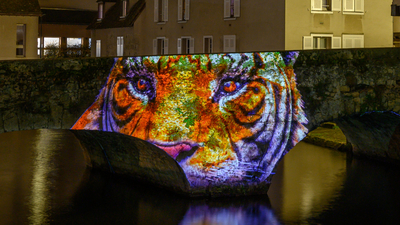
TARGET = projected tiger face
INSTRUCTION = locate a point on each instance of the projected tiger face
(223, 117)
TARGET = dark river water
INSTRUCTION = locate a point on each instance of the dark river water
(44, 180)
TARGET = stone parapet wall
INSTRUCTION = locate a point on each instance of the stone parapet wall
(335, 83)
(48, 93)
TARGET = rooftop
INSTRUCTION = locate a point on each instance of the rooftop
(20, 7)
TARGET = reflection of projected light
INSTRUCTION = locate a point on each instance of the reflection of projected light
(40, 184)
(246, 214)
(226, 118)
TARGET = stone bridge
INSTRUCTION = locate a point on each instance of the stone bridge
(336, 85)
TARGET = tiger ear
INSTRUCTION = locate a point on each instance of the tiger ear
(290, 57)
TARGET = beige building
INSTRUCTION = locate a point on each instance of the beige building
(19, 29)
(329, 24)
(154, 27)
(184, 26)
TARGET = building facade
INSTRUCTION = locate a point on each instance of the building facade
(186, 27)
(329, 24)
(157, 27)
(19, 29)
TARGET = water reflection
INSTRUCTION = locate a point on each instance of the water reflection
(44, 180)
(306, 181)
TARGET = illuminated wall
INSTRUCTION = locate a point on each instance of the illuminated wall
(225, 118)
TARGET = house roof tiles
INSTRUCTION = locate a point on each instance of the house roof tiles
(20, 7)
(66, 16)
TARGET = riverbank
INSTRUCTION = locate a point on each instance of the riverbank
(328, 135)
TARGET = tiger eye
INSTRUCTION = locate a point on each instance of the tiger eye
(142, 85)
(229, 86)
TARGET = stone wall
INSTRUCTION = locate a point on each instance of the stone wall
(48, 93)
(54, 93)
(335, 83)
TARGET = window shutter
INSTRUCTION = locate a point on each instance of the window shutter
(336, 42)
(165, 10)
(154, 46)
(307, 42)
(336, 5)
(348, 5)
(155, 10)
(187, 9)
(359, 41)
(316, 5)
(180, 10)
(118, 45)
(347, 42)
(232, 44)
(236, 6)
(166, 46)
(359, 5)
(191, 46)
(179, 45)
(122, 45)
(227, 9)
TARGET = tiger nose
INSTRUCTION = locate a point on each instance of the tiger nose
(175, 120)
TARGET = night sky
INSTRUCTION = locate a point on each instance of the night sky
(72, 4)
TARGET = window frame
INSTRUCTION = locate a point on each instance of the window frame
(357, 7)
(160, 15)
(229, 48)
(335, 5)
(189, 45)
(211, 45)
(183, 11)
(336, 42)
(23, 39)
(120, 45)
(98, 48)
(100, 11)
(124, 9)
(231, 9)
(165, 45)
(353, 37)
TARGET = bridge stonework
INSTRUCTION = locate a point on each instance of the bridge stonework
(336, 85)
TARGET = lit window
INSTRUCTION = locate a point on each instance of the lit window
(160, 11)
(353, 6)
(160, 46)
(21, 34)
(183, 10)
(231, 8)
(229, 43)
(51, 45)
(185, 45)
(208, 44)
(120, 46)
(38, 46)
(74, 42)
(100, 11)
(98, 48)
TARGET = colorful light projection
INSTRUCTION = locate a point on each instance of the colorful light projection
(225, 118)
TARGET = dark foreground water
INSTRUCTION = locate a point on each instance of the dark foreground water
(44, 180)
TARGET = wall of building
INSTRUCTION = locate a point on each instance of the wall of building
(376, 24)
(263, 22)
(260, 26)
(108, 39)
(8, 36)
